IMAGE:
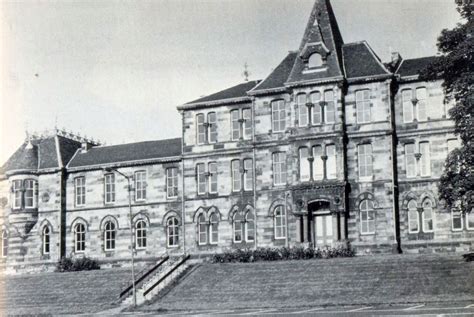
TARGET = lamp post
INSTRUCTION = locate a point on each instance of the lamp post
(132, 248)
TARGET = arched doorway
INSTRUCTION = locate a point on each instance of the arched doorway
(323, 233)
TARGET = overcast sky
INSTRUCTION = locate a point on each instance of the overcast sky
(116, 70)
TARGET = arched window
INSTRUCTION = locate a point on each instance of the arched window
(202, 229)
(427, 216)
(80, 237)
(4, 243)
(413, 219)
(214, 228)
(46, 239)
(250, 226)
(109, 236)
(280, 222)
(238, 225)
(172, 232)
(315, 60)
(140, 234)
(367, 217)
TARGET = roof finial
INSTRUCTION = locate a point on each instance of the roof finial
(246, 72)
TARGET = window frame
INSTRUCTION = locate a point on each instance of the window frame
(248, 174)
(172, 182)
(30, 186)
(201, 179)
(79, 238)
(363, 106)
(279, 168)
(141, 238)
(211, 127)
(172, 232)
(425, 159)
(302, 106)
(200, 126)
(240, 223)
(142, 180)
(46, 240)
(235, 125)
(312, 64)
(304, 172)
(367, 209)
(236, 175)
(423, 215)
(412, 157)
(317, 109)
(407, 106)
(111, 191)
(331, 168)
(248, 227)
(423, 102)
(202, 229)
(213, 228)
(80, 191)
(278, 124)
(331, 102)
(110, 236)
(366, 156)
(212, 179)
(317, 152)
(17, 188)
(453, 211)
(467, 215)
(282, 225)
(415, 210)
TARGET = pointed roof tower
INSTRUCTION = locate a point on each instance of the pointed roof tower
(319, 55)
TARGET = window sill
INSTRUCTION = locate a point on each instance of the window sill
(172, 246)
(367, 234)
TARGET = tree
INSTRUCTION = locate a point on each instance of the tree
(455, 67)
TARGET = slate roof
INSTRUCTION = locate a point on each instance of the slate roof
(279, 75)
(361, 61)
(121, 153)
(322, 27)
(41, 154)
(411, 67)
(238, 91)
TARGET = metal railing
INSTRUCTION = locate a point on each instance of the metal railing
(183, 260)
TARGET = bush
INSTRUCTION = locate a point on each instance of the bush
(277, 254)
(78, 264)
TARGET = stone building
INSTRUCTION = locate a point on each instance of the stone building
(333, 146)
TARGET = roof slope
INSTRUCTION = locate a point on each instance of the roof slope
(238, 91)
(361, 61)
(411, 67)
(25, 158)
(279, 75)
(127, 152)
(321, 28)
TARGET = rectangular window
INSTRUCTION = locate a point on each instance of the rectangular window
(407, 105)
(365, 160)
(236, 179)
(235, 124)
(16, 187)
(279, 168)
(109, 188)
(248, 174)
(212, 126)
(318, 164)
(201, 178)
(140, 185)
(278, 116)
(247, 116)
(30, 193)
(80, 191)
(302, 110)
(425, 160)
(470, 220)
(200, 129)
(304, 165)
(331, 161)
(317, 113)
(363, 106)
(410, 160)
(456, 218)
(421, 103)
(172, 182)
(330, 109)
(212, 177)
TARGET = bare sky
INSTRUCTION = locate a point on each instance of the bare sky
(116, 70)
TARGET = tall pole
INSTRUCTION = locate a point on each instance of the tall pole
(132, 240)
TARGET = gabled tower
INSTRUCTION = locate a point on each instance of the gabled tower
(319, 55)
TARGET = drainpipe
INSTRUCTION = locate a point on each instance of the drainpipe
(286, 218)
(393, 153)
(182, 184)
(254, 167)
(62, 214)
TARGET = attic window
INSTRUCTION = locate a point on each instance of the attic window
(315, 60)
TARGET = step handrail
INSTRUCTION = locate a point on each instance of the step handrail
(147, 273)
(186, 257)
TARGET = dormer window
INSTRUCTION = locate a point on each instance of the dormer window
(315, 60)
